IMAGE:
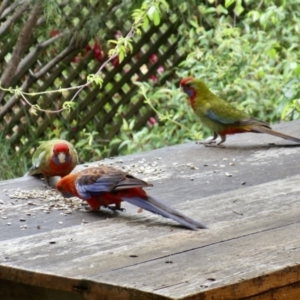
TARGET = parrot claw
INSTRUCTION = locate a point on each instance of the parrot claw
(115, 208)
(206, 142)
(215, 145)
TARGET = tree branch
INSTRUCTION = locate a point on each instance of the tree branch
(3, 6)
(32, 56)
(54, 61)
(21, 46)
(13, 18)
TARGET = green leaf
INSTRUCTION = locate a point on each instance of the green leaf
(112, 42)
(164, 4)
(272, 53)
(297, 70)
(121, 55)
(222, 10)
(228, 3)
(239, 7)
(156, 17)
(95, 79)
(125, 125)
(68, 105)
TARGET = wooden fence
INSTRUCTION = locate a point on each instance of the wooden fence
(101, 109)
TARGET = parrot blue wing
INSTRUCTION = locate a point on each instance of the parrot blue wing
(225, 121)
(93, 187)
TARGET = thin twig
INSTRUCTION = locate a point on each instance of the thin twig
(130, 34)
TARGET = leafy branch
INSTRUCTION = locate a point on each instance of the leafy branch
(144, 89)
(149, 9)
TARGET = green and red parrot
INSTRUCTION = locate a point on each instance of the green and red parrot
(222, 117)
(53, 158)
(106, 186)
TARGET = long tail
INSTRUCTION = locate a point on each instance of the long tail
(161, 209)
(32, 171)
(263, 129)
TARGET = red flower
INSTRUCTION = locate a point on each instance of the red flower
(54, 32)
(153, 58)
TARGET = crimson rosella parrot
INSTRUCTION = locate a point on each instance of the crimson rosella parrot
(105, 185)
(53, 158)
(220, 116)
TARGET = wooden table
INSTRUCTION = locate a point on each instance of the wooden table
(247, 194)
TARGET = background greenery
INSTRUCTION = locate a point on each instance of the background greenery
(247, 52)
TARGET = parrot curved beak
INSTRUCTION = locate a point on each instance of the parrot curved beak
(61, 157)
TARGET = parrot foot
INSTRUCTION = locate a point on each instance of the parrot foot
(115, 208)
(206, 142)
(216, 145)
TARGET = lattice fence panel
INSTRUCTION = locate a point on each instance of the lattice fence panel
(102, 109)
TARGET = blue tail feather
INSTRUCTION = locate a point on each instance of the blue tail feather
(161, 209)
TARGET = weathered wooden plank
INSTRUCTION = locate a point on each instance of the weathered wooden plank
(13, 290)
(289, 292)
(251, 248)
(179, 174)
(235, 246)
(235, 269)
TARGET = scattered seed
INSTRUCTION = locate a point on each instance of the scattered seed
(38, 227)
(241, 214)
(52, 242)
(22, 219)
(231, 164)
(243, 183)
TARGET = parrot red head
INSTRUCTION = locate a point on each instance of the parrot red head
(185, 81)
(194, 88)
(186, 85)
(61, 153)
